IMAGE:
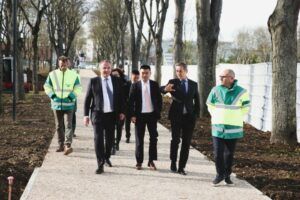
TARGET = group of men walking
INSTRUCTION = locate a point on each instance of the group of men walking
(109, 102)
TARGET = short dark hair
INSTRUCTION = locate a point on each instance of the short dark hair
(119, 71)
(135, 71)
(181, 64)
(63, 58)
(145, 67)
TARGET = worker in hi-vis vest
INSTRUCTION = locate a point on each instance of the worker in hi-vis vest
(63, 86)
(228, 104)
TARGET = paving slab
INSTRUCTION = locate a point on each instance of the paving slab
(73, 177)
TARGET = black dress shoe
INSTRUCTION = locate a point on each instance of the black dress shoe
(127, 140)
(173, 167)
(99, 170)
(107, 161)
(151, 165)
(138, 166)
(182, 172)
(217, 181)
(60, 149)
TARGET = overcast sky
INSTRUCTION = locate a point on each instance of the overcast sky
(236, 14)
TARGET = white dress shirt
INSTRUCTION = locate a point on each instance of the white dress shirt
(106, 102)
(146, 90)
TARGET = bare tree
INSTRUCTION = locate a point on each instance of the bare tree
(262, 44)
(136, 35)
(1, 42)
(178, 33)
(109, 29)
(37, 7)
(298, 43)
(208, 20)
(283, 28)
(157, 33)
(64, 18)
(148, 40)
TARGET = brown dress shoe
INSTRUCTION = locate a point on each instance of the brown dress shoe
(68, 149)
(138, 166)
(60, 149)
(151, 165)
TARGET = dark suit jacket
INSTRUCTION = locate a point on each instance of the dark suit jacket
(94, 96)
(135, 99)
(190, 100)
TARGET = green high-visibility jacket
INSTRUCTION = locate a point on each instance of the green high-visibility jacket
(228, 108)
(63, 89)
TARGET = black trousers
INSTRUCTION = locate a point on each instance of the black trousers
(182, 129)
(104, 126)
(119, 128)
(127, 126)
(149, 120)
(223, 153)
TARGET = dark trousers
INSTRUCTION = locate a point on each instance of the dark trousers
(127, 126)
(119, 128)
(182, 129)
(104, 126)
(223, 153)
(74, 123)
(64, 133)
(150, 120)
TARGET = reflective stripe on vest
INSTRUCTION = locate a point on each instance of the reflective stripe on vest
(63, 104)
(236, 130)
(228, 114)
(56, 81)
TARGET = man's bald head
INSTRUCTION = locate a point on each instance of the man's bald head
(227, 77)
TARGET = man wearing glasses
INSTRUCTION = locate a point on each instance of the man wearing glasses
(227, 103)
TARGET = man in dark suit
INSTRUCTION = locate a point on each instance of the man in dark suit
(184, 109)
(145, 103)
(135, 77)
(104, 98)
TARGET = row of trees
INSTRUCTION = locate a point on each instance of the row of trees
(48, 24)
(110, 19)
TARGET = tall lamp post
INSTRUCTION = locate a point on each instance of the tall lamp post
(15, 29)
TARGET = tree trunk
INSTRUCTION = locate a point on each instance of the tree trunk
(122, 50)
(35, 65)
(1, 85)
(208, 20)
(178, 25)
(159, 60)
(20, 72)
(283, 28)
(135, 41)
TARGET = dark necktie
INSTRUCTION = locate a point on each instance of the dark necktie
(110, 94)
(182, 86)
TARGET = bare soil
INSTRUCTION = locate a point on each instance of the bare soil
(23, 143)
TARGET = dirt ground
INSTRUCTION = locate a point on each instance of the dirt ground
(24, 143)
(275, 170)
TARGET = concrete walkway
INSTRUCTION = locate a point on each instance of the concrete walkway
(73, 177)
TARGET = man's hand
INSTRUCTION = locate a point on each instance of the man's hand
(86, 121)
(121, 116)
(133, 119)
(169, 88)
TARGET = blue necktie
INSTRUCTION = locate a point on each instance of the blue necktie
(182, 86)
(110, 94)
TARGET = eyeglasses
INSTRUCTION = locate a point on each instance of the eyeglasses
(224, 76)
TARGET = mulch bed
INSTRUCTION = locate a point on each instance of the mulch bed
(273, 169)
(23, 143)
